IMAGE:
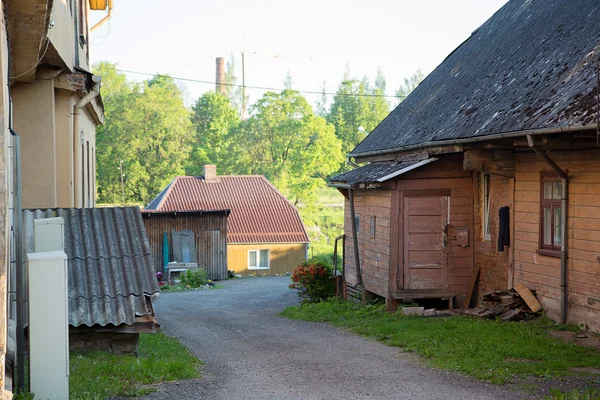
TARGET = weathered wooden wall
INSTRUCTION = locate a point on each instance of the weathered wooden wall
(542, 272)
(374, 252)
(204, 226)
(381, 256)
(284, 257)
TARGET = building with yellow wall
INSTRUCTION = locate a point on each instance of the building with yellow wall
(265, 235)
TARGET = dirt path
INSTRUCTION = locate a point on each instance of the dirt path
(251, 353)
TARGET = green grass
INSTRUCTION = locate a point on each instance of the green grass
(100, 375)
(489, 350)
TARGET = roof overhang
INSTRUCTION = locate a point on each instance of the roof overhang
(375, 174)
(451, 144)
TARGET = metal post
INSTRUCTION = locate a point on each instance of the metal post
(122, 183)
(243, 87)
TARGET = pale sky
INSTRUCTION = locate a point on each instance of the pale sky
(312, 39)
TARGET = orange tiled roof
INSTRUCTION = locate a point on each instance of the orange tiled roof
(259, 213)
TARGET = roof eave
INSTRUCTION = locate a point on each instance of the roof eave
(505, 135)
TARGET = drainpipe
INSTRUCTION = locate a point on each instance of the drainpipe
(359, 280)
(564, 203)
(106, 18)
(77, 141)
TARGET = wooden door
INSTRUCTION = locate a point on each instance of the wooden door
(212, 254)
(425, 243)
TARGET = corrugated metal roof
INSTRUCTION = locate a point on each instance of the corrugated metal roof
(109, 263)
(259, 213)
(377, 172)
(530, 66)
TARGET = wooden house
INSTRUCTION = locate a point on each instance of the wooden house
(265, 234)
(491, 165)
(208, 232)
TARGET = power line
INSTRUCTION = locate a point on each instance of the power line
(258, 87)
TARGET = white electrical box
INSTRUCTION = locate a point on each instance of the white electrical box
(48, 312)
(48, 234)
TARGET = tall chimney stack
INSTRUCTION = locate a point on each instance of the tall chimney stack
(220, 75)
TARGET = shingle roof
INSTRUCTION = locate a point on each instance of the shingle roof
(532, 65)
(259, 213)
(377, 172)
(109, 263)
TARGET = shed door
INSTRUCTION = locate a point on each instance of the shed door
(425, 243)
(211, 254)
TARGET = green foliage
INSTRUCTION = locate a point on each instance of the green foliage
(312, 280)
(352, 113)
(194, 278)
(324, 221)
(148, 127)
(100, 375)
(588, 394)
(23, 396)
(490, 350)
(215, 120)
(409, 84)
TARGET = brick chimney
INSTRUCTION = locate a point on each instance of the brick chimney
(210, 173)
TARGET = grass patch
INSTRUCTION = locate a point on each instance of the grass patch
(589, 394)
(489, 350)
(100, 375)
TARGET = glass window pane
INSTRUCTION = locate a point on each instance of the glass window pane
(557, 230)
(557, 190)
(547, 190)
(548, 226)
(252, 259)
(264, 258)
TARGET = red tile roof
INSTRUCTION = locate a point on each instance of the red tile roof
(259, 213)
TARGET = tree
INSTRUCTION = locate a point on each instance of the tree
(409, 85)
(288, 144)
(214, 120)
(146, 126)
(357, 108)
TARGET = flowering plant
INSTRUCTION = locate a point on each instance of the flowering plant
(159, 276)
(312, 280)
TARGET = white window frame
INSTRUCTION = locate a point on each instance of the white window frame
(257, 267)
(486, 183)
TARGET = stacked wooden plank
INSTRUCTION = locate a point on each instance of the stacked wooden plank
(518, 303)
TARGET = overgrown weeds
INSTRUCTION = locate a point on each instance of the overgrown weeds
(490, 350)
(100, 375)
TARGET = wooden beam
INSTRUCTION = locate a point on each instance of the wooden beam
(497, 162)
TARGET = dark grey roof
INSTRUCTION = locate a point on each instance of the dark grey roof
(530, 66)
(377, 172)
(109, 263)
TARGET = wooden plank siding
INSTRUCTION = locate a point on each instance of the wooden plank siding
(157, 224)
(374, 252)
(381, 256)
(284, 257)
(542, 272)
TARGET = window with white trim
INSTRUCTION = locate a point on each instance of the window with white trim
(259, 259)
(485, 185)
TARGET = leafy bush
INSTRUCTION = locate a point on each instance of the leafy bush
(312, 280)
(194, 278)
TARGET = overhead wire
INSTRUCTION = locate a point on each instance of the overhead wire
(259, 87)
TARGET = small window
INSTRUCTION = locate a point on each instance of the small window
(372, 226)
(551, 193)
(487, 234)
(258, 259)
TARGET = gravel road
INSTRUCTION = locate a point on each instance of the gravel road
(251, 353)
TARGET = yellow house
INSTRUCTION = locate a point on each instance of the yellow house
(265, 234)
(55, 101)
(50, 101)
